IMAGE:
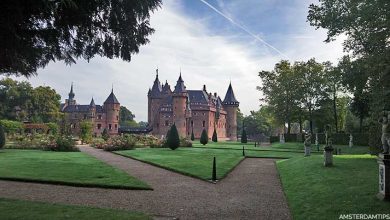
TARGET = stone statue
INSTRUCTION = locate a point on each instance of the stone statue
(328, 149)
(307, 144)
(316, 142)
(328, 137)
(282, 138)
(384, 120)
(350, 140)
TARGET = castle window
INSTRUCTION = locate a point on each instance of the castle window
(99, 116)
(204, 113)
(194, 113)
(99, 126)
(192, 123)
(117, 117)
(116, 127)
(167, 123)
(204, 123)
(158, 125)
(109, 127)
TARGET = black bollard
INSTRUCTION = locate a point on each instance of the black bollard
(243, 151)
(255, 144)
(214, 174)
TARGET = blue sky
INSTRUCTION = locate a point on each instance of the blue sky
(208, 48)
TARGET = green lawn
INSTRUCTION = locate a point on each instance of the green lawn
(16, 209)
(317, 192)
(195, 162)
(68, 168)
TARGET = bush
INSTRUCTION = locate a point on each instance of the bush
(105, 134)
(244, 138)
(11, 127)
(215, 137)
(173, 140)
(126, 142)
(98, 143)
(157, 144)
(192, 135)
(184, 142)
(53, 128)
(204, 138)
(61, 143)
(2, 137)
(86, 128)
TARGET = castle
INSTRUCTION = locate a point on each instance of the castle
(102, 117)
(191, 110)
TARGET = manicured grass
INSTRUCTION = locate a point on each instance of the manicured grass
(16, 209)
(299, 146)
(68, 168)
(317, 192)
(194, 162)
(238, 146)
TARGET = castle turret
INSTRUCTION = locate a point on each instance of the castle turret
(179, 105)
(154, 102)
(231, 104)
(70, 100)
(112, 107)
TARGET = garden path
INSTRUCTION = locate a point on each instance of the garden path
(251, 191)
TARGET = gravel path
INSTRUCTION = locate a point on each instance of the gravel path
(251, 191)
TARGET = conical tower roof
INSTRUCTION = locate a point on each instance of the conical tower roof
(157, 88)
(180, 87)
(111, 99)
(71, 93)
(92, 104)
(230, 98)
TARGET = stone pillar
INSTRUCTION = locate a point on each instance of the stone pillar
(328, 149)
(307, 144)
(282, 138)
(384, 177)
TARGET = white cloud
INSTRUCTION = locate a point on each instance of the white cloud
(180, 42)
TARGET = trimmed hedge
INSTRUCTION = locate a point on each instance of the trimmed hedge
(359, 139)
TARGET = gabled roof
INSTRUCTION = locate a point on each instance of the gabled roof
(76, 108)
(111, 99)
(230, 99)
(198, 96)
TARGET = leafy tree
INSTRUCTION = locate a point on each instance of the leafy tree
(173, 139)
(240, 119)
(214, 138)
(2, 137)
(53, 128)
(11, 127)
(244, 138)
(37, 32)
(105, 134)
(314, 90)
(15, 99)
(204, 138)
(126, 117)
(192, 135)
(45, 104)
(143, 124)
(86, 128)
(256, 123)
(279, 93)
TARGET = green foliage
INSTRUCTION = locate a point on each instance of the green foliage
(244, 138)
(45, 104)
(274, 139)
(258, 122)
(214, 138)
(204, 138)
(192, 135)
(114, 29)
(173, 139)
(115, 143)
(86, 129)
(2, 137)
(105, 134)
(126, 117)
(53, 128)
(184, 142)
(11, 127)
(61, 143)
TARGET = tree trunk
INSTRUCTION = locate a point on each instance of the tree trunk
(361, 125)
(335, 109)
(311, 121)
(289, 127)
(300, 124)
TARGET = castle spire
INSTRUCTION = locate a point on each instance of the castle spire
(180, 87)
(71, 93)
(230, 98)
(92, 104)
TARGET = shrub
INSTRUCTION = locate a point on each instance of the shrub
(2, 137)
(204, 138)
(61, 143)
(156, 144)
(98, 143)
(53, 128)
(244, 138)
(105, 134)
(126, 142)
(215, 137)
(86, 131)
(192, 135)
(274, 139)
(173, 140)
(11, 127)
(184, 142)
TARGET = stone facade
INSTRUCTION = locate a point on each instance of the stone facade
(105, 116)
(191, 110)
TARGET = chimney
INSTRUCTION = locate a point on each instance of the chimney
(215, 94)
(204, 88)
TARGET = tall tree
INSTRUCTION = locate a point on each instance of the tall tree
(33, 33)
(45, 105)
(126, 117)
(314, 90)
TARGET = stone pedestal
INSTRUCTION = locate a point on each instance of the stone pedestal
(328, 157)
(384, 177)
(307, 151)
(282, 139)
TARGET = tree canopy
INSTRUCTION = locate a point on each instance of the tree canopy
(35, 32)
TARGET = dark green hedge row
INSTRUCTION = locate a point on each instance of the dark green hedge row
(359, 139)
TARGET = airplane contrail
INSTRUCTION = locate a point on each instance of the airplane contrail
(244, 29)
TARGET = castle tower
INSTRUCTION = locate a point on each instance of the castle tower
(70, 100)
(154, 102)
(179, 107)
(92, 109)
(111, 108)
(231, 104)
